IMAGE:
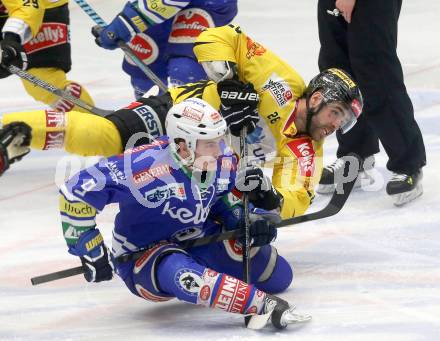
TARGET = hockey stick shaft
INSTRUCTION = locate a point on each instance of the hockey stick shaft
(57, 275)
(124, 47)
(245, 201)
(56, 91)
(338, 200)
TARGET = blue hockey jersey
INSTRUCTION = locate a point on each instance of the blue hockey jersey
(159, 198)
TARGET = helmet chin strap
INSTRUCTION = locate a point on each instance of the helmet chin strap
(188, 161)
(311, 113)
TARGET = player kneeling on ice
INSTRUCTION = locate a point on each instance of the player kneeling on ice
(175, 189)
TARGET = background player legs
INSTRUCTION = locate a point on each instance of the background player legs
(56, 77)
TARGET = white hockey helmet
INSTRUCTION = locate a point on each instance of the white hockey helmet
(194, 119)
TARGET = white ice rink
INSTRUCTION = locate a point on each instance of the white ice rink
(372, 272)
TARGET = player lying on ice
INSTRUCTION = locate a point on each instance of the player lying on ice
(175, 189)
(287, 122)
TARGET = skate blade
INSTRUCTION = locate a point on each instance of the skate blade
(257, 322)
(361, 181)
(296, 318)
(404, 198)
(325, 189)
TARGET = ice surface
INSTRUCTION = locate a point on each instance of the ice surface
(370, 273)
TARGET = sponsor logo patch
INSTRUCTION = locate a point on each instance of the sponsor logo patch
(188, 24)
(173, 190)
(205, 293)
(152, 173)
(193, 114)
(55, 119)
(95, 242)
(144, 47)
(54, 140)
(232, 295)
(347, 80)
(278, 89)
(185, 215)
(302, 148)
(215, 116)
(49, 35)
(151, 121)
(116, 174)
(76, 209)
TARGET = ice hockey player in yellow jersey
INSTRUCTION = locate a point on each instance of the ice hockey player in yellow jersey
(287, 121)
(35, 36)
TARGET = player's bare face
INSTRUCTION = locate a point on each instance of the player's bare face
(327, 121)
(206, 154)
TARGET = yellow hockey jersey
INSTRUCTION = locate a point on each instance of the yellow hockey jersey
(296, 159)
(26, 16)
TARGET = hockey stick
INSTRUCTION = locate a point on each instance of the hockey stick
(338, 200)
(124, 47)
(56, 91)
(246, 247)
(245, 201)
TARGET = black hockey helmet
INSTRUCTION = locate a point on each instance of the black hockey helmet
(336, 85)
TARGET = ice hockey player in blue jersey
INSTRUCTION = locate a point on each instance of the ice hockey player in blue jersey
(178, 188)
(162, 33)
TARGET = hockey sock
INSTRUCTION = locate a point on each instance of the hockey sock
(180, 275)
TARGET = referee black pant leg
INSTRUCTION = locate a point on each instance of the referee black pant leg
(372, 41)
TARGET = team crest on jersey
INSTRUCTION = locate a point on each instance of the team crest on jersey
(189, 281)
(188, 24)
(50, 34)
(144, 47)
(303, 149)
(279, 89)
(254, 48)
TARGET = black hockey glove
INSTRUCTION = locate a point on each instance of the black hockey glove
(239, 104)
(94, 256)
(15, 139)
(261, 232)
(262, 194)
(12, 53)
